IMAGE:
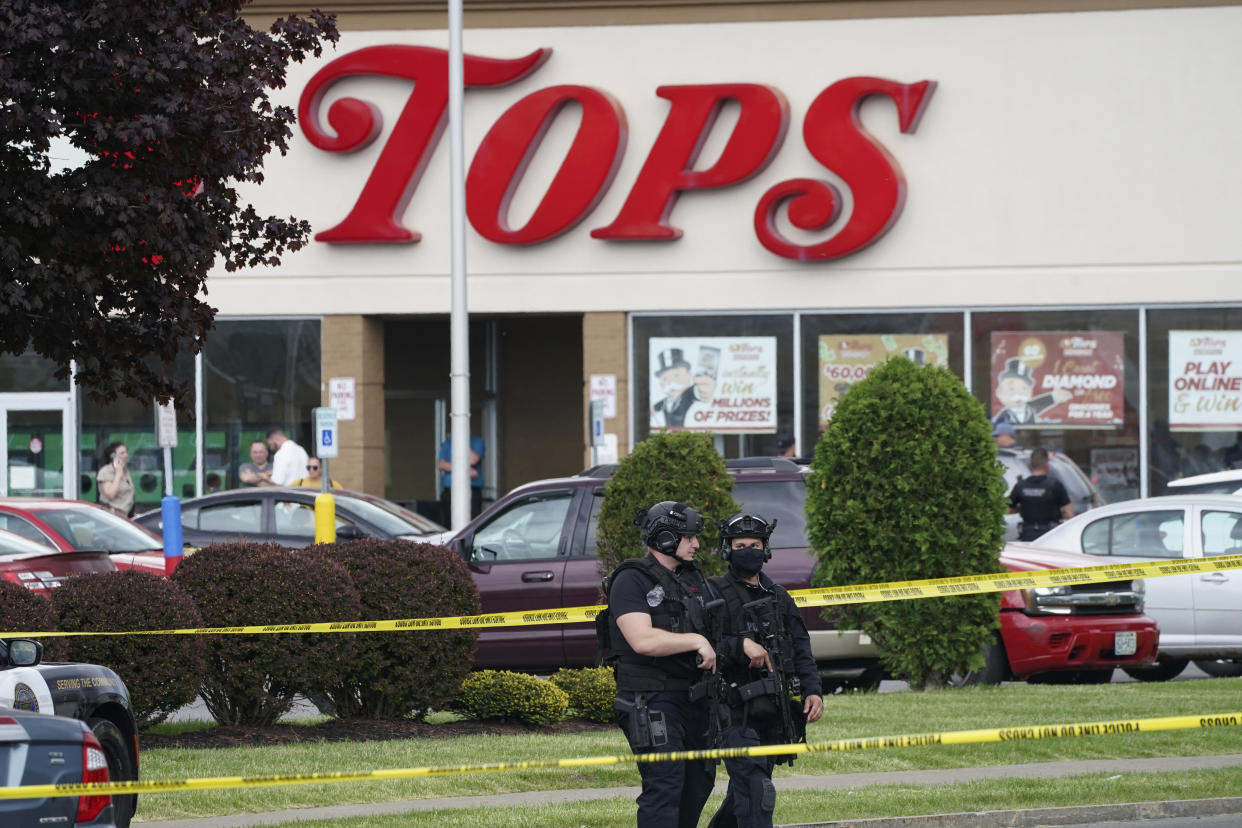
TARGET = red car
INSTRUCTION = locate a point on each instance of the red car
(38, 568)
(78, 526)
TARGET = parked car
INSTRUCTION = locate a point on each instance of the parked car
(1221, 482)
(40, 568)
(52, 750)
(89, 693)
(535, 548)
(1082, 492)
(78, 526)
(1200, 615)
(271, 514)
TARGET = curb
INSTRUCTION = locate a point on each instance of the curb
(1071, 815)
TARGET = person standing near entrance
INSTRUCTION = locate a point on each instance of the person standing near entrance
(116, 487)
(444, 462)
(289, 460)
(1039, 498)
(776, 662)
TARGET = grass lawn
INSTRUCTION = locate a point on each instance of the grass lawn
(876, 801)
(845, 716)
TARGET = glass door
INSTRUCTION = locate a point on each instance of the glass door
(39, 451)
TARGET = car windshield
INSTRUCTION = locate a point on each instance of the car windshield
(91, 528)
(783, 502)
(390, 518)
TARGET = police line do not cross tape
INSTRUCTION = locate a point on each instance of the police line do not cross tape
(957, 737)
(820, 597)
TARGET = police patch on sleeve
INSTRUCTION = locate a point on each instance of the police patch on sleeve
(656, 596)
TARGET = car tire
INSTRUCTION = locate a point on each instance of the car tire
(1220, 667)
(1163, 670)
(994, 670)
(120, 767)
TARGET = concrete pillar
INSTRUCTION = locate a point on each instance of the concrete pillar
(353, 346)
(606, 350)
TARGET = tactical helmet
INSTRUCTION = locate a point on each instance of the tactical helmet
(664, 524)
(745, 525)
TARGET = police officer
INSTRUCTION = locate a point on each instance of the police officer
(664, 618)
(775, 659)
(1040, 498)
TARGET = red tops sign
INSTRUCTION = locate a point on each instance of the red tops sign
(831, 130)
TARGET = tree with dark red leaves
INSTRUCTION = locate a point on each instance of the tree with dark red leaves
(163, 108)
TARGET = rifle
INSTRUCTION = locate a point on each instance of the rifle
(781, 684)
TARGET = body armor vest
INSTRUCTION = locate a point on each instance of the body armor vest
(682, 609)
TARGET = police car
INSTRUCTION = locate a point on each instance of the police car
(89, 693)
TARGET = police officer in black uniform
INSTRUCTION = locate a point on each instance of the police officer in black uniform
(1040, 498)
(664, 619)
(773, 666)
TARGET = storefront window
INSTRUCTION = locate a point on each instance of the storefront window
(838, 350)
(258, 373)
(1067, 381)
(132, 422)
(29, 372)
(725, 375)
(1194, 382)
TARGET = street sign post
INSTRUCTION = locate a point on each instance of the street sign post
(327, 440)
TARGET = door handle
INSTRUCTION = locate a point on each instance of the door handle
(535, 577)
(1215, 577)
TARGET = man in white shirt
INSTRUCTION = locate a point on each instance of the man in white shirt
(288, 458)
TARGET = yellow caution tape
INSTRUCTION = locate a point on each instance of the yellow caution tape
(957, 737)
(890, 591)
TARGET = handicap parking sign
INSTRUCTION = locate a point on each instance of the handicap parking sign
(325, 432)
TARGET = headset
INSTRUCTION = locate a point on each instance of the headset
(744, 525)
(666, 523)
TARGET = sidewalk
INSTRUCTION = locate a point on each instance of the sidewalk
(1045, 816)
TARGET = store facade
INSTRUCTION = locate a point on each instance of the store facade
(719, 217)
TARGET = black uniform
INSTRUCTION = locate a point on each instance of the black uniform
(751, 797)
(1039, 499)
(662, 702)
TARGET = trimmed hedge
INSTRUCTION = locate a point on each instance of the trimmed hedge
(24, 611)
(163, 672)
(252, 679)
(679, 466)
(518, 697)
(905, 485)
(400, 674)
(591, 691)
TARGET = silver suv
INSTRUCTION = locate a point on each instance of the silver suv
(1082, 492)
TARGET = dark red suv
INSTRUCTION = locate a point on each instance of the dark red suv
(535, 549)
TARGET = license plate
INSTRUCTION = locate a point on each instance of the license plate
(1125, 643)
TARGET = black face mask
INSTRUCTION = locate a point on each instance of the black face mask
(746, 562)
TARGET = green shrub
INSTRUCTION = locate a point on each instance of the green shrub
(399, 674)
(252, 679)
(678, 465)
(905, 485)
(513, 697)
(24, 611)
(163, 672)
(591, 691)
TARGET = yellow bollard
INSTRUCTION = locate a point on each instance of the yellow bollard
(325, 518)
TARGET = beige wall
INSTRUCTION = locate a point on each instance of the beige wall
(353, 346)
(359, 15)
(605, 350)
